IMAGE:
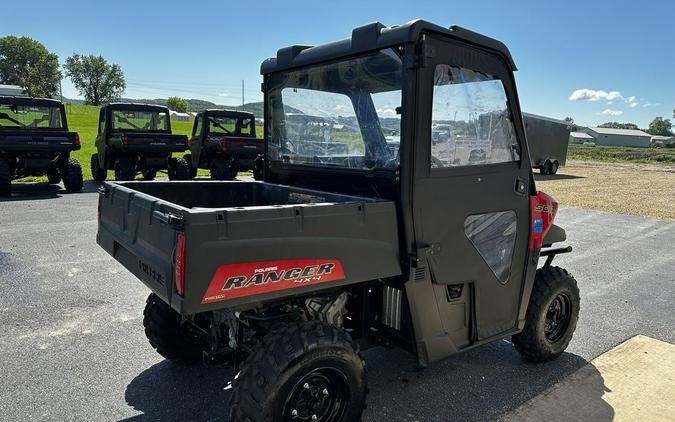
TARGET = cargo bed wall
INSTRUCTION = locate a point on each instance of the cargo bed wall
(242, 256)
(247, 252)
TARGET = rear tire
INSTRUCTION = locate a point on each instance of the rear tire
(162, 328)
(97, 173)
(179, 169)
(72, 176)
(5, 179)
(300, 370)
(125, 168)
(551, 316)
(554, 167)
(545, 168)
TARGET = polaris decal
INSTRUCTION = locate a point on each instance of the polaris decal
(253, 278)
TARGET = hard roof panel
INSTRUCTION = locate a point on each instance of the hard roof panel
(375, 36)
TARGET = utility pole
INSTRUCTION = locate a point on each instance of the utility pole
(242, 92)
(60, 90)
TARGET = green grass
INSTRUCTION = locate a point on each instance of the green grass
(621, 154)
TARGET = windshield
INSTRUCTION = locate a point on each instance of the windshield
(342, 114)
(143, 121)
(225, 125)
(30, 117)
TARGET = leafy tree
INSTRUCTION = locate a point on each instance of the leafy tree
(28, 64)
(660, 127)
(573, 126)
(96, 80)
(617, 125)
(177, 104)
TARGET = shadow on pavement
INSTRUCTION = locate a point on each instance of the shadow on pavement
(479, 385)
(538, 176)
(170, 391)
(30, 191)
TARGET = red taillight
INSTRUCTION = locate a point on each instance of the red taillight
(76, 141)
(223, 146)
(125, 140)
(543, 209)
(180, 264)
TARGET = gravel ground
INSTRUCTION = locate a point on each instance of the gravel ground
(637, 189)
(73, 348)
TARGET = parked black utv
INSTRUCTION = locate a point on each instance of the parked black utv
(136, 138)
(225, 142)
(352, 241)
(35, 141)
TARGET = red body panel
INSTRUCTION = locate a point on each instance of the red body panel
(252, 278)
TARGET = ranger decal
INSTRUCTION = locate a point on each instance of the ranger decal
(252, 278)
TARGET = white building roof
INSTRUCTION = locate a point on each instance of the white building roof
(663, 138)
(620, 132)
(581, 135)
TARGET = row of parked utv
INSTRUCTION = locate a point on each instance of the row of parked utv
(132, 139)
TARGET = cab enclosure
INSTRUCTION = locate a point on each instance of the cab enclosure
(136, 138)
(224, 142)
(35, 141)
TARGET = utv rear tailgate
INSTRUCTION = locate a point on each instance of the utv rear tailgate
(151, 142)
(248, 249)
(240, 146)
(39, 141)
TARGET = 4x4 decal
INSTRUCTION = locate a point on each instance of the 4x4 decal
(251, 278)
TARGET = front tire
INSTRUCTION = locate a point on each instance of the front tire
(125, 168)
(163, 330)
(302, 371)
(72, 176)
(179, 169)
(551, 316)
(223, 170)
(5, 179)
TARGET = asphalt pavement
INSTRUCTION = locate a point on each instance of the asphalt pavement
(72, 345)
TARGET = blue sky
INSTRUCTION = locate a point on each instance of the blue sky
(622, 53)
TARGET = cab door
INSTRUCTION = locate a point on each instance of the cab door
(471, 188)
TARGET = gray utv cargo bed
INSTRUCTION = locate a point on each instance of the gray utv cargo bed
(245, 241)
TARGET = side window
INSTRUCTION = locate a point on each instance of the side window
(198, 126)
(244, 127)
(471, 123)
(101, 122)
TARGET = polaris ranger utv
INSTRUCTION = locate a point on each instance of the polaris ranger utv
(224, 142)
(35, 141)
(419, 246)
(136, 138)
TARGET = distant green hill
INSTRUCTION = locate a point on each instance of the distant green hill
(193, 104)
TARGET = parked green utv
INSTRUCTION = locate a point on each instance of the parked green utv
(35, 141)
(136, 138)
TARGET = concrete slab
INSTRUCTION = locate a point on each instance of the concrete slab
(635, 381)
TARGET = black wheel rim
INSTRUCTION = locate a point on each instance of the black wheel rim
(321, 395)
(558, 317)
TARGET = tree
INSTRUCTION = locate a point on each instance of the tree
(96, 80)
(28, 64)
(617, 125)
(660, 127)
(573, 126)
(177, 104)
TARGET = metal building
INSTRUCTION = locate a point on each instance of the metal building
(619, 137)
(11, 90)
(580, 138)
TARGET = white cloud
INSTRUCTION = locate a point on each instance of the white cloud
(610, 102)
(586, 94)
(610, 112)
(633, 104)
(631, 99)
(651, 104)
(224, 95)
